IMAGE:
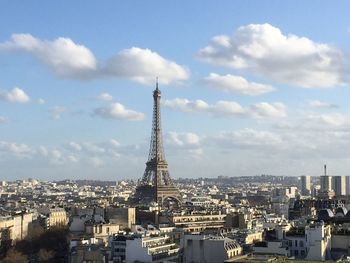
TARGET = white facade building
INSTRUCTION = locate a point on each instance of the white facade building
(150, 249)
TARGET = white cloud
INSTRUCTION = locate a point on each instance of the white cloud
(332, 119)
(64, 57)
(321, 104)
(43, 151)
(59, 157)
(143, 65)
(114, 143)
(186, 105)
(17, 149)
(118, 111)
(263, 50)
(264, 109)
(93, 148)
(105, 97)
(237, 84)
(56, 112)
(222, 108)
(67, 59)
(75, 146)
(246, 138)
(72, 158)
(15, 95)
(228, 108)
(184, 141)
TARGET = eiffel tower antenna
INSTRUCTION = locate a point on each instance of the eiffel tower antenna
(156, 184)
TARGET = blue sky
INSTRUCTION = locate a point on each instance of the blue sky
(248, 87)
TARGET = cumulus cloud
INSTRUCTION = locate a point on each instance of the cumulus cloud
(264, 50)
(70, 156)
(184, 141)
(56, 112)
(93, 148)
(332, 119)
(74, 152)
(105, 97)
(118, 111)
(264, 109)
(142, 65)
(75, 146)
(246, 138)
(107, 149)
(322, 104)
(228, 108)
(15, 95)
(237, 84)
(67, 59)
(17, 149)
(57, 156)
(64, 57)
(114, 143)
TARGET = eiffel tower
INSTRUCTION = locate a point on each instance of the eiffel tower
(156, 184)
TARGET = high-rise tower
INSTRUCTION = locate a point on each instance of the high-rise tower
(339, 183)
(156, 184)
(305, 184)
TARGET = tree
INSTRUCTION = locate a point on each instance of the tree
(14, 256)
(45, 255)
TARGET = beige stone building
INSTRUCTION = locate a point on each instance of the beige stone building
(15, 227)
(55, 217)
(101, 231)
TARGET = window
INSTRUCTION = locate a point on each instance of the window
(296, 253)
(301, 243)
(296, 243)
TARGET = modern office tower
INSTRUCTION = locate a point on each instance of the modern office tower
(156, 184)
(347, 185)
(305, 184)
(326, 181)
(339, 187)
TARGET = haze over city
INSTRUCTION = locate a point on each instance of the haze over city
(248, 87)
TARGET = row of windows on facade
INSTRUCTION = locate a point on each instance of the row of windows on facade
(301, 243)
(296, 253)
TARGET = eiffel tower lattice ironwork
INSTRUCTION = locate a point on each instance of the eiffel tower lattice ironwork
(156, 184)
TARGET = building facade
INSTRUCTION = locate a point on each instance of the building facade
(305, 181)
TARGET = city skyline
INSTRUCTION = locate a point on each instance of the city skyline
(247, 88)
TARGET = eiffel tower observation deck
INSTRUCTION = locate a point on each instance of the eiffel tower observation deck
(156, 184)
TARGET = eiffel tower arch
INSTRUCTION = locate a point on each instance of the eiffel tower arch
(156, 184)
